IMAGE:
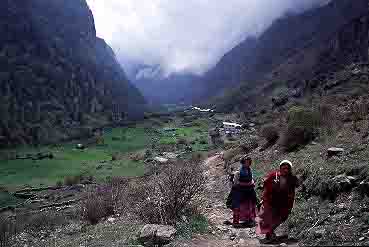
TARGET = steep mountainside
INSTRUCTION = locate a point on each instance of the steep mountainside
(294, 49)
(229, 70)
(55, 73)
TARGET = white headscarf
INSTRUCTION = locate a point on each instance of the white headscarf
(286, 162)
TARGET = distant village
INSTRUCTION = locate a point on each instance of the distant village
(227, 127)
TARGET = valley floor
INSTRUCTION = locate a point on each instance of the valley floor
(315, 220)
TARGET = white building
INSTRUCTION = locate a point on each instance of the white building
(202, 110)
(232, 128)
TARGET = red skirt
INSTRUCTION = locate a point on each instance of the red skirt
(268, 219)
(248, 211)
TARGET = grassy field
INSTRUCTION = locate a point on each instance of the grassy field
(196, 136)
(7, 199)
(95, 160)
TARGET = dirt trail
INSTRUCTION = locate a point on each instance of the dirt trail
(221, 235)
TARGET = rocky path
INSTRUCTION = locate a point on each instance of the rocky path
(221, 235)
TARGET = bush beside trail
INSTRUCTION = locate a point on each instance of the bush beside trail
(174, 193)
(161, 199)
(302, 124)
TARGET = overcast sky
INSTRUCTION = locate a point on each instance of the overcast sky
(184, 35)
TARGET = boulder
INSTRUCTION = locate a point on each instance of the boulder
(333, 151)
(161, 160)
(333, 187)
(344, 182)
(80, 146)
(170, 156)
(156, 235)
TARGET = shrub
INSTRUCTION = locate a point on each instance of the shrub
(302, 117)
(72, 180)
(171, 194)
(98, 204)
(270, 133)
(359, 110)
(203, 142)
(295, 136)
(182, 141)
(328, 118)
(116, 156)
(7, 231)
(302, 126)
(59, 184)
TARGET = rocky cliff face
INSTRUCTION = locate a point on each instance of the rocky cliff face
(54, 72)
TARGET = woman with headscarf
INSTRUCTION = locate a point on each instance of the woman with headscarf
(243, 195)
(278, 199)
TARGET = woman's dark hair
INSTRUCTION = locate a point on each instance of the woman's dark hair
(244, 159)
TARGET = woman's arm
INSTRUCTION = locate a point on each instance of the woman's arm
(268, 187)
(236, 178)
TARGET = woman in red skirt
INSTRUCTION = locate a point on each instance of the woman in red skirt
(278, 199)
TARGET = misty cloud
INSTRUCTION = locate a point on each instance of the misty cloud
(185, 36)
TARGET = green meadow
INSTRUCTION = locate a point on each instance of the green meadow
(95, 160)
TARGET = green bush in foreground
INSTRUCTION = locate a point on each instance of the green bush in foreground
(302, 127)
(196, 224)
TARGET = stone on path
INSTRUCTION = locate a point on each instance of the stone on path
(152, 235)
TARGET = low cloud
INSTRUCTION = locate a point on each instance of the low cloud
(184, 36)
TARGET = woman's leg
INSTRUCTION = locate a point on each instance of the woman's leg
(265, 220)
(236, 216)
(236, 205)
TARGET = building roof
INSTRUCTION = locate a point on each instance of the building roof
(202, 110)
(232, 124)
